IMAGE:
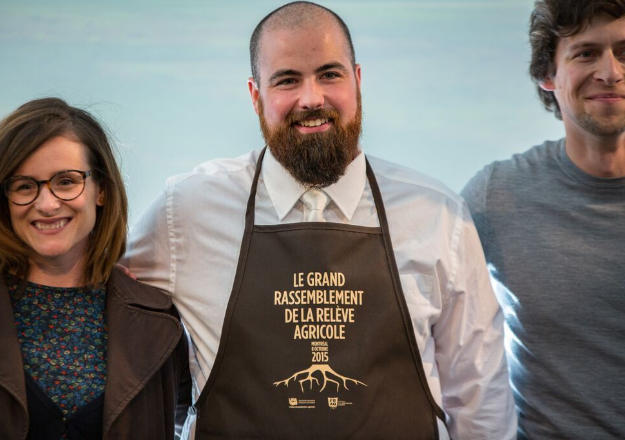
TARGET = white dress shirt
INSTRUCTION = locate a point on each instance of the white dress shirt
(188, 242)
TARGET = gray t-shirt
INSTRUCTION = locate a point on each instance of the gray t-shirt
(554, 238)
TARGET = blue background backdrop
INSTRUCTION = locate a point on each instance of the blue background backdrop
(445, 84)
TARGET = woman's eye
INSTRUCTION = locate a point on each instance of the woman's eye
(22, 185)
(25, 187)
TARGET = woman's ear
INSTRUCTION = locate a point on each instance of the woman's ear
(100, 200)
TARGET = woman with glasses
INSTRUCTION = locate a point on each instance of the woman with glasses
(85, 352)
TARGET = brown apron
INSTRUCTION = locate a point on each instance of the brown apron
(317, 342)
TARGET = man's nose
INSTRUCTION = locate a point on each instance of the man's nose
(609, 69)
(312, 95)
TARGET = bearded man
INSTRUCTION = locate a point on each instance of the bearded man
(552, 221)
(328, 295)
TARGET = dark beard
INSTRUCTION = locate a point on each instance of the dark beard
(314, 159)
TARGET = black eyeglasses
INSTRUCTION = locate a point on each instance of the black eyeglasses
(64, 185)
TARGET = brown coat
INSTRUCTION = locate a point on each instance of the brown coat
(146, 366)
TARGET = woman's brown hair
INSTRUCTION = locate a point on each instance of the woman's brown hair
(21, 134)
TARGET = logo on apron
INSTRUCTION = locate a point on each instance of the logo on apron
(322, 309)
(326, 374)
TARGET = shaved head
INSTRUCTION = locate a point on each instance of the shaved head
(292, 16)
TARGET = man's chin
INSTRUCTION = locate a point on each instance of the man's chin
(604, 126)
(311, 164)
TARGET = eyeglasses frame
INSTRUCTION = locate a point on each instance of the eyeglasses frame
(84, 175)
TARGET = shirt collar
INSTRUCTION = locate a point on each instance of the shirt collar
(285, 191)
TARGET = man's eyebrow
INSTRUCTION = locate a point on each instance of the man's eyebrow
(581, 45)
(283, 72)
(331, 66)
(589, 45)
(292, 72)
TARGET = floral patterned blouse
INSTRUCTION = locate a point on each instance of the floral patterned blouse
(63, 334)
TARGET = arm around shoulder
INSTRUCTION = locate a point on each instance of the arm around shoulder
(148, 254)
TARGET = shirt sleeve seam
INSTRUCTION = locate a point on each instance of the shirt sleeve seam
(172, 238)
(455, 242)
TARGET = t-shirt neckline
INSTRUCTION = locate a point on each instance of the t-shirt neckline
(576, 173)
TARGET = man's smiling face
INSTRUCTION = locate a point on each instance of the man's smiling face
(308, 101)
(589, 79)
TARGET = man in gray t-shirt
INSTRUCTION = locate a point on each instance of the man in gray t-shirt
(552, 223)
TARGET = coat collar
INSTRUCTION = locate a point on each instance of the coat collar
(142, 335)
(133, 293)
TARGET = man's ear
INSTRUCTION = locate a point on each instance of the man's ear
(548, 84)
(357, 73)
(254, 93)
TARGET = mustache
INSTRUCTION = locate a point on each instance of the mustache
(320, 113)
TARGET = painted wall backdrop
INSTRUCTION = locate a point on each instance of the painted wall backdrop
(445, 84)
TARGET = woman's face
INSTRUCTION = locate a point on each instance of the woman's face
(56, 231)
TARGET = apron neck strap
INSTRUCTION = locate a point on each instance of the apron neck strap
(251, 202)
(375, 191)
(377, 199)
